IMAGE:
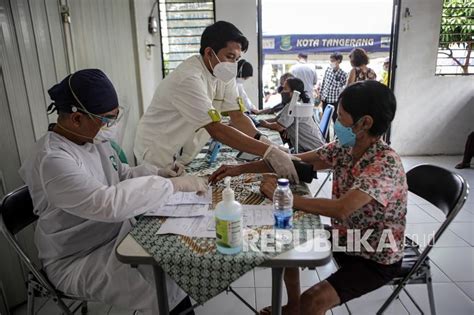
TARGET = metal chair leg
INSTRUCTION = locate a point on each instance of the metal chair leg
(30, 304)
(429, 284)
(84, 309)
(60, 303)
(389, 301)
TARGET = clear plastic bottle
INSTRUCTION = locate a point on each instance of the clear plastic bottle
(228, 222)
(283, 205)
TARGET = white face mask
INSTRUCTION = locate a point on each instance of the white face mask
(105, 134)
(240, 80)
(333, 65)
(224, 70)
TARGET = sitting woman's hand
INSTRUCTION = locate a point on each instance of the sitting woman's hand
(224, 171)
(268, 186)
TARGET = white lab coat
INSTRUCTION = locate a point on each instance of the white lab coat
(179, 109)
(86, 200)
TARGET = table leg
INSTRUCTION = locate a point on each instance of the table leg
(161, 292)
(277, 280)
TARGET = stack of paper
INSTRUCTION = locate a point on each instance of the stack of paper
(205, 226)
(184, 204)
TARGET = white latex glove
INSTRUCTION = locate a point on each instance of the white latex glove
(190, 183)
(281, 163)
(265, 139)
(172, 170)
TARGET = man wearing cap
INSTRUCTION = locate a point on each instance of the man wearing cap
(187, 106)
(86, 199)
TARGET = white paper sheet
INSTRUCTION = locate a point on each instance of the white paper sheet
(205, 226)
(180, 211)
(193, 227)
(181, 198)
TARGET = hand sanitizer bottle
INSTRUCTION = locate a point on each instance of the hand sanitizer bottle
(228, 215)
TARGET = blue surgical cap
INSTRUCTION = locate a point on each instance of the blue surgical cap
(92, 89)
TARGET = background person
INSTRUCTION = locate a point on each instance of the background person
(307, 73)
(86, 199)
(277, 108)
(333, 82)
(360, 72)
(310, 136)
(468, 153)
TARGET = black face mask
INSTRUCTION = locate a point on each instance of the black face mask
(279, 89)
(285, 97)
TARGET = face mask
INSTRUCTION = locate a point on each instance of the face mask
(333, 65)
(347, 138)
(285, 97)
(240, 80)
(106, 134)
(224, 70)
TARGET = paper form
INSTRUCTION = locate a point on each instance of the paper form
(181, 198)
(205, 226)
(193, 227)
(195, 210)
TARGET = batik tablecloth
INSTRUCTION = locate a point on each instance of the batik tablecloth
(194, 263)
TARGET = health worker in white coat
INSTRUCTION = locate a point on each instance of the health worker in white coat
(86, 199)
(187, 106)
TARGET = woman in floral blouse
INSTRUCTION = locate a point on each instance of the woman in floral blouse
(360, 72)
(369, 198)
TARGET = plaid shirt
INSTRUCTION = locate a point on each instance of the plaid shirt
(333, 83)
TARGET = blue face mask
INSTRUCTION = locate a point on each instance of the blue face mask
(347, 138)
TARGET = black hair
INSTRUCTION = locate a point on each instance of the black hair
(303, 55)
(370, 98)
(359, 57)
(245, 69)
(296, 84)
(219, 34)
(336, 56)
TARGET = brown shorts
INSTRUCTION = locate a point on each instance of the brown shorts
(357, 276)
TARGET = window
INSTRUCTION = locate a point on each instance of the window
(456, 38)
(182, 23)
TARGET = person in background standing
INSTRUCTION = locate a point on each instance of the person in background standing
(468, 153)
(360, 72)
(306, 73)
(386, 66)
(334, 81)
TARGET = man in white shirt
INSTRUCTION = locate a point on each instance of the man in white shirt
(306, 73)
(86, 199)
(187, 107)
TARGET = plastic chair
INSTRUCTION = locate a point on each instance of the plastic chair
(16, 213)
(447, 191)
(326, 120)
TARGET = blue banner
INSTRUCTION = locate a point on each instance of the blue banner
(325, 43)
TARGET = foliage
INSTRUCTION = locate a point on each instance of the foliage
(457, 30)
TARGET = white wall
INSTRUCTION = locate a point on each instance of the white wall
(243, 14)
(435, 113)
(150, 73)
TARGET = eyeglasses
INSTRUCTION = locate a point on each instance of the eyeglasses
(107, 120)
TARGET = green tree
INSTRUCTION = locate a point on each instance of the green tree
(457, 30)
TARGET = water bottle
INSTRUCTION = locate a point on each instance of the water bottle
(283, 205)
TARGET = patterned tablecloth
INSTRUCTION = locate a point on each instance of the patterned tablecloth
(194, 263)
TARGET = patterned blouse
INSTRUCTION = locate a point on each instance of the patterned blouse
(380, 174)
(361, 75)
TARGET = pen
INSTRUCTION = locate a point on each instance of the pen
(174, 161)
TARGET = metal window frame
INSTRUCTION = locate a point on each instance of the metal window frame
(439, 57)
(165, 70)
